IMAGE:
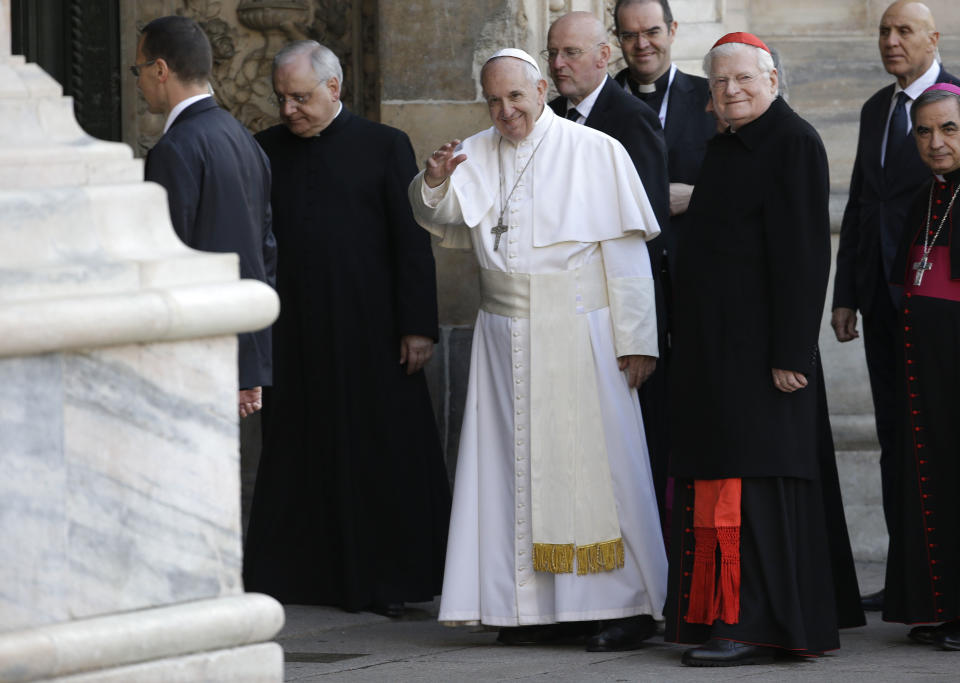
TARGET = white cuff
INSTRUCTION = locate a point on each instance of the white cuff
(634, 314)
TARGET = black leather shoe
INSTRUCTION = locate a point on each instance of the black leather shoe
(872, 602)
(394, 610)
(544, 633)
(948, 635)
(717, 652)
(618, 635)
(926, 635)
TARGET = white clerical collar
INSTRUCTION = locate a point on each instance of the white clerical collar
(939, 178)
(586, 104)
(915, 89)
(339, 109)
(178, 109)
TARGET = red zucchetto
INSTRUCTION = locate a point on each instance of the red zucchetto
(741, 37)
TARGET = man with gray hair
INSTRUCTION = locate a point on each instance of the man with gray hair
(759, 544)
(352, 499)
(554, 524)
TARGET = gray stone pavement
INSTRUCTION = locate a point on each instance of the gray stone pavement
(325, 644)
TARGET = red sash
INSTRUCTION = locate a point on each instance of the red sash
(716, 521)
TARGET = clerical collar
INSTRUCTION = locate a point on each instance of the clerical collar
(648, 89)
(951, 176)
(335, 117)
(180, 106)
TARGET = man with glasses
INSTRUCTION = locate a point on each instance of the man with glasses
(352, 499)
(646, 30)
(217, 178)
(577, 54)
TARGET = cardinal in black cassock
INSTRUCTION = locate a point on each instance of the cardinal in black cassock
(923, 564)
(760, 559)
(352, 500)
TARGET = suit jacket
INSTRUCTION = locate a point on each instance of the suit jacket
(687, 129)
(218, 187)
(876, 212)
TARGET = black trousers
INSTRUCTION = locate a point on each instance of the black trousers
(880, 345)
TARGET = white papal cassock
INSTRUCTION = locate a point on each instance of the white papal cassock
(579, 203)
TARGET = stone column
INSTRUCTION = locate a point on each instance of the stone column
(119, 469)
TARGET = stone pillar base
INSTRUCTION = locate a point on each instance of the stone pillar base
(221, 639)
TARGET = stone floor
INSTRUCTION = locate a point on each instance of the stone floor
(323, 644)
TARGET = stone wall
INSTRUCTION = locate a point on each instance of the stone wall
(245, 35)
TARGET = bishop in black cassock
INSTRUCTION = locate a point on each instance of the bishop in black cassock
(923, 564)
(352, 500)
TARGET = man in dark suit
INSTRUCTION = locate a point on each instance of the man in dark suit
(578, 54)
(887, 174)
(216, 176)
(646, 30)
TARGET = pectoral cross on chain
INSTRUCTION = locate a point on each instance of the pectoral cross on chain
(497, 230)
(921, 267)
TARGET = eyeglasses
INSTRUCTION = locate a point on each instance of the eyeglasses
(631, 36)
(135, 68)
(298, 99)
(720, 83)
(570, 54)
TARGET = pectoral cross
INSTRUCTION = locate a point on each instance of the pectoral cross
(497, 230)
(921, 266)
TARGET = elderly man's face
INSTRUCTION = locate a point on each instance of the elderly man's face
(645, 39)
(938, 135)
(577, 63)
(908, 41)
(515, 104)
(307, 106)
(741, 92)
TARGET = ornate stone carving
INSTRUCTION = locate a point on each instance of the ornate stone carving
(246, 35)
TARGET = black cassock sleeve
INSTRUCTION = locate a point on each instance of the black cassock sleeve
(796, 226)
(416, 277)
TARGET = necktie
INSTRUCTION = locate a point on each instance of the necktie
(896, 132)
(573, 114)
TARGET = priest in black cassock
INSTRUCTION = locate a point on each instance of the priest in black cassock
(352, 501)
(760, 559)
(923, 564)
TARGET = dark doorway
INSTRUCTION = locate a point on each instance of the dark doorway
(78, 43)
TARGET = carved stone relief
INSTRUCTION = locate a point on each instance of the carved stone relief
(245, 36)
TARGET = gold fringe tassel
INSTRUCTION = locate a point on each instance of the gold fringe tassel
(600, 557)
(556, 558)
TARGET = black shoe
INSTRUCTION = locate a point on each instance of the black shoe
(948, 636)
(872, 602)
(544, 633)
(622, 634)
(394, 610)
(926, 635)
(716, 652)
